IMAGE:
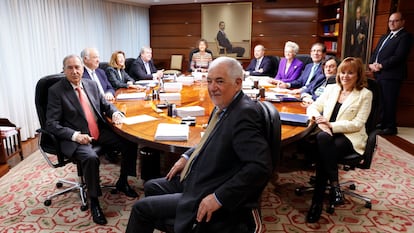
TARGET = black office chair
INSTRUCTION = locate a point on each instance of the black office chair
(305, 58)
(128, 63)
(103, 65)
(355, 160)
(49, 146)
(275, 65)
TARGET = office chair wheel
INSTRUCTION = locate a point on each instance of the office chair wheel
(47, 202)
(368, 205)
(59, 185)
(352, 187)
(298, 192)
(84, 207)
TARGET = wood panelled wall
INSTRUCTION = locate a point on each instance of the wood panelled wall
(175, 29)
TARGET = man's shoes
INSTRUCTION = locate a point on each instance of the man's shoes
(314, 213)
(97, 215)
(388, 131)
(125, 188)
(336, 197)
(379, 126)
(112, 157)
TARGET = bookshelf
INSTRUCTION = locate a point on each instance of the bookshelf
(330, 25)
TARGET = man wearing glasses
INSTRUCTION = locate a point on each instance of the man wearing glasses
(389, 65)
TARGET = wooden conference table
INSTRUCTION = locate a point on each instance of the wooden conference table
(194, 95)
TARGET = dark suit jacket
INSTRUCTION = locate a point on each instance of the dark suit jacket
(318, 82)
(224, 41)
(393, 56)
(234, 163)
(293, 73)
(266, 65)
(301, 81)
(65, 115)
(113, 78)
(138, 71)
(107, 87)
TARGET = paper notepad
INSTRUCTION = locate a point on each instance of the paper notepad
(134, 95)
(138, 119)
(172, 132)
(190, 111)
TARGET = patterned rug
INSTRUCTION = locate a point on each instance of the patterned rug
(389, 182)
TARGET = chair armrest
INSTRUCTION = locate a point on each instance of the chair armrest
(49, 145)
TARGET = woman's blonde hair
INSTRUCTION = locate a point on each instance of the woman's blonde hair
(112, 61)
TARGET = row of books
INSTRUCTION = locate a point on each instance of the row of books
(331, 45)
(331, 29)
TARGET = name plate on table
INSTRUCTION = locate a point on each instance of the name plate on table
(294, 119)
(172, 132)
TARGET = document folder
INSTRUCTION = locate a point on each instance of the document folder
(294, 119)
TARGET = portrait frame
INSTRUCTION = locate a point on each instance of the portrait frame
(357, 42)
(237, 17)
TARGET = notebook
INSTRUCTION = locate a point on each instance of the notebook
(294, 119)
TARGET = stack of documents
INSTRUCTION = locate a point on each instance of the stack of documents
(190, 111)
(170, 96)
(133, 95)
(185, 80)
(173, 87)
(172, 132)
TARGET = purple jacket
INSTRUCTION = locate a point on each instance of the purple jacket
(293, 72)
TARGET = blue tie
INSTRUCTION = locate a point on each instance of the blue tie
(384, 43)
(313, 70)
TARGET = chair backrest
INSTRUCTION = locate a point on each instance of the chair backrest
(275, 64)
(305, 58)
(176, 62)
(220, 49)
(364, 161)
(103, 65)
(273, 130)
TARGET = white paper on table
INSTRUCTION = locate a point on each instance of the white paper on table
(133, 95)
(172, 132)
(138, 119)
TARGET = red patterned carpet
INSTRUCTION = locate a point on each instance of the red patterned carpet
(390, 182)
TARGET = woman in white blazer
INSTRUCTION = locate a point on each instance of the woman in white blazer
(340, 113)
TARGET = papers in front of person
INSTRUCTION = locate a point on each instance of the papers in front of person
(172, 132)
(251, 92)
(192, 111)
(138, 119)
(199, 75)
(273, 97)
(263, 80)
(132, 95)
(185, 80)
(170, 96)
(150, 83)
(294, 119)
(173, 87)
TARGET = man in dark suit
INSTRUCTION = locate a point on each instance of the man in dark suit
(90, 57)
(260, 65)
(358, 35)
(389, 64)
(221, 182)
(310, 72)
(76, 113)
(143, 68)
(225, 42)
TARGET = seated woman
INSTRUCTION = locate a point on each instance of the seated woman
(201, 59)
(116, 73)
(315, 89)
(340, 113)
(290, 67)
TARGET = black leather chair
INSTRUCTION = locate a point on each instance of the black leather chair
(103, 65)
(275, 65)
(128, 64)
(49, 146)
(355, 160)
(305, 58)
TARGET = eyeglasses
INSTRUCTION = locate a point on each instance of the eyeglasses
(394, 21)
(316, 51)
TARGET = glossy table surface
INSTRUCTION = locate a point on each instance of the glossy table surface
(194, 95)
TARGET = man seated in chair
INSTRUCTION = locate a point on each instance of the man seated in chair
(216, 185)
(143, 67)
(76, 113)
(225, 42)
(260, 65)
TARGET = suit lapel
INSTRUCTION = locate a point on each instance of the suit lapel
(348, 101)
(72, 97)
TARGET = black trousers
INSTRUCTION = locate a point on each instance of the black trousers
(331, 150)
(390, 90)
(89, 160)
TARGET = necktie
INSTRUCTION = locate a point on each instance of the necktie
(90, 118)
(147, 67)
(96, 79)
(382, 45)
(313, 70)
(257, 64)
(214, 119)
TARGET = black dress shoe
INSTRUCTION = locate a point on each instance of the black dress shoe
(379, 126)
(314, 213)
(388, 131)
(97, 215)
(125, 188)
(112, 157)
(336, 197)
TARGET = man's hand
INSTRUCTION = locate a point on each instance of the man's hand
(117, 118)
(206, 208)
(109, 96)
(83, 139)
(178, 167)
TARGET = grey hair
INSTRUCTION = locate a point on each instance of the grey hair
(145, 48)
(70, 56)
(233, 70)
(292, 45)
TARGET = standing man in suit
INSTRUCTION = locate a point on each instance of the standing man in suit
(216, 185)
(76, 113)
(90, 57)
(358, 33)
(311, 71)
(389, 64)
(260, 65)
(143, 67)
(225, 42)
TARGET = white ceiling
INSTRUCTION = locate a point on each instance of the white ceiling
(167, 2)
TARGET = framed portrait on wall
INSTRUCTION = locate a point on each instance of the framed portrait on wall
(358, 29)
(231, 21)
